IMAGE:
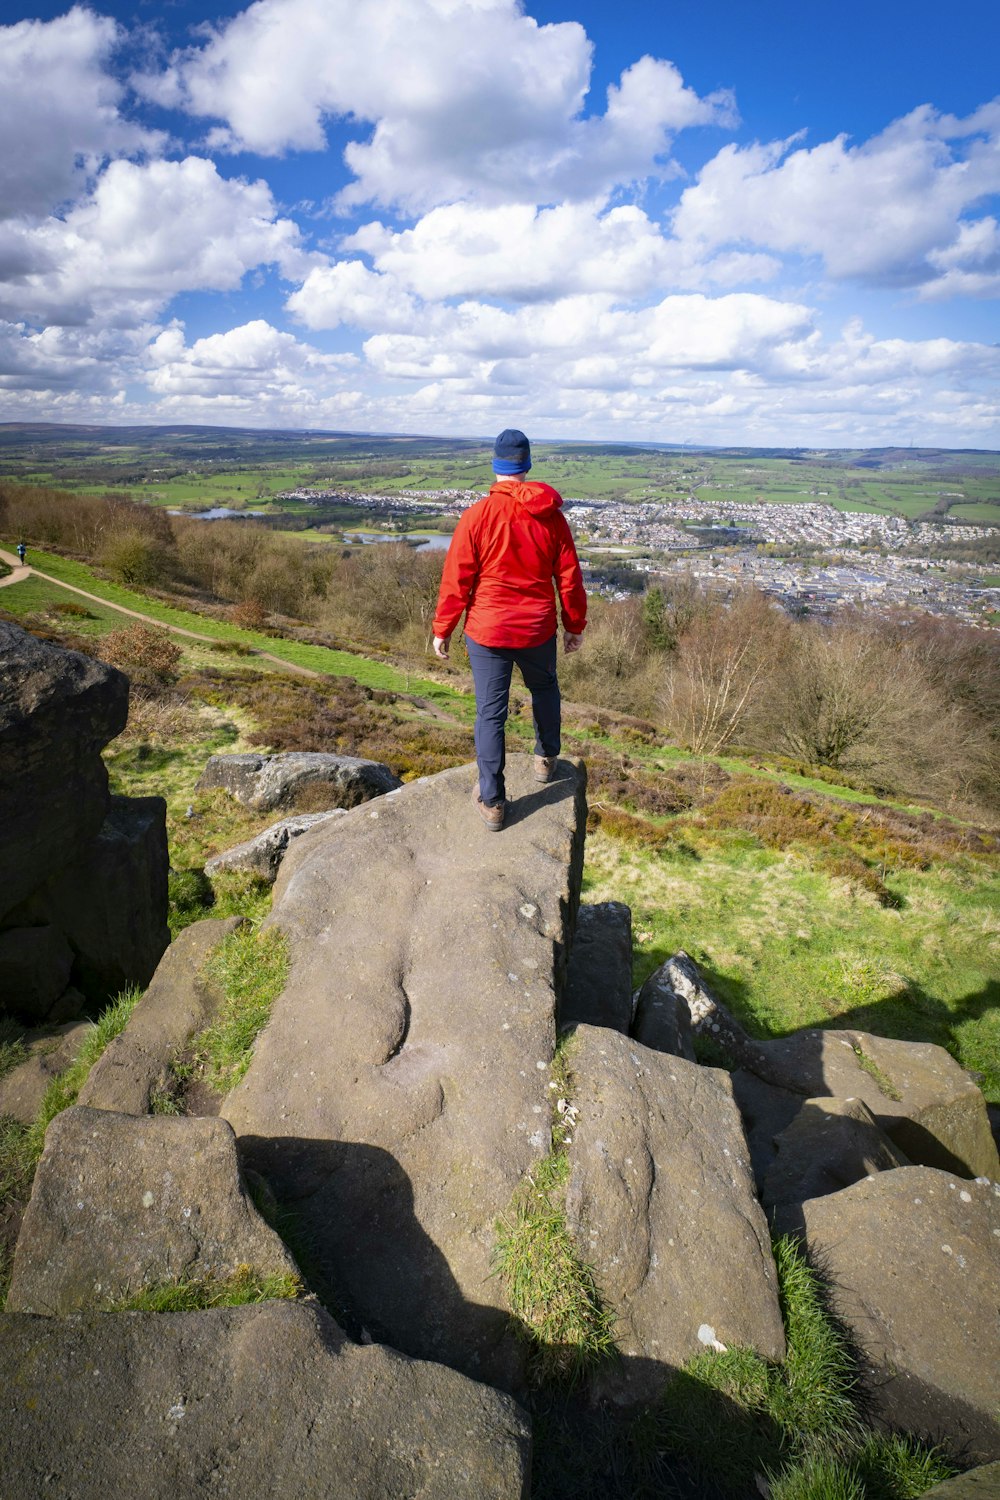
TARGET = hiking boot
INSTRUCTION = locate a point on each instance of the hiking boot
(545, 767)
(492, 816)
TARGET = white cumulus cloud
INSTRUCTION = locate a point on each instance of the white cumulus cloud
(253, 361)
(60, 115)
(885, 211)
(465, 99)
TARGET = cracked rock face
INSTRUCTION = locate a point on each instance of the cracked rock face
(400, 1091)
(121, 1203)
(244, 1401)
(58, 709)
(912, 1258)
(661, 1204)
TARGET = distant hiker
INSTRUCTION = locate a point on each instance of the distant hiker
(506, 552)
(22, 552)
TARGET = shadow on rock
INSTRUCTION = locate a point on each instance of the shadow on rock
(365, 1254)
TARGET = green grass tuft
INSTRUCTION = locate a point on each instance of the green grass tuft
(13, 1052)
(244, 1287)
(883, 1081)
(552, 1293)
(250, 966)
(816, 1477)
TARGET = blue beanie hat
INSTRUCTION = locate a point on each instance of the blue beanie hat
(511, 452)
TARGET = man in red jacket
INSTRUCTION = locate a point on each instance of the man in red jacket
(507, 550)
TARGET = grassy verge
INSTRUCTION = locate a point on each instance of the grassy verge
(250, 966)
(322, 659)
(244, 1287)
(552, 1293)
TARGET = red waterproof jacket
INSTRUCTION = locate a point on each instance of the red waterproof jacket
(507, 550)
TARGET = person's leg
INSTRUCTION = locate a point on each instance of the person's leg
(538, 668)
(491, 673)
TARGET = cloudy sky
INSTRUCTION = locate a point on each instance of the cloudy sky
(677, 220)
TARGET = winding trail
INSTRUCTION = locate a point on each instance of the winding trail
(20, 573)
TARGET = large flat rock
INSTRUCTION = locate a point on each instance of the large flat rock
(58, 709)
(912, 1259)
(662, 1206)
(268, 781)
(400, 1091)
(121, 1204)
(240, 1402)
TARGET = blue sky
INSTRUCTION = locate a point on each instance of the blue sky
(679, 222)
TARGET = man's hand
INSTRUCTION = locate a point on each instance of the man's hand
(441, 644)
(571, 642)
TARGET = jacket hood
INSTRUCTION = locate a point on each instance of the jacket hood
(535, 497)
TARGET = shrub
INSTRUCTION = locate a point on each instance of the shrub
(147, 656)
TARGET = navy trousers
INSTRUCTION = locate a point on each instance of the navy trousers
(492, 668)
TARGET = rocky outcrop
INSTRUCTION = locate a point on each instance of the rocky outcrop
(911, 1257)
(262, 856)
(920, 1096)
(400, 1092)
(662, 1206)
(598, 989)
(264, 782)
(830, 1144)
(120, 1205)
(243, 1401)
(177, 1004)
(49, 1053)
(982, 1483)
(83, 876)
(58, 709)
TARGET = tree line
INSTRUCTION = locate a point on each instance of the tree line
(905, 704)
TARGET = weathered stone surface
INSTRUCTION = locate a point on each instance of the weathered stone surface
(661, 1203)
(978, 1484)
(829, 1144)
(175, 1006)
(766, 1112)
(112, 902)
(599, 973)
(58, 709)
(912, 1258)
(243, 1401)
(269, 781)
(709, 1018)
(23, 1088)
(662, 1017)
(919, 1095)
(262, 856)
(35, 964)
(121, 1204)
(400, 1091)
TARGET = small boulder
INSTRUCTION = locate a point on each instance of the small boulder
(121, 1204)
(920, 1096)
(264, 782)
(661, 1204)
(35, 965)
(262, 856)
(244, 1401)
(709, 1018)
(662, 1018)
(599, 972)
(828, 1145)
(177, 1004)
(910, 1258)
(49, 1053)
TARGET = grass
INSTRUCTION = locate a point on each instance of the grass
(552, 1294)
(250, 967)
(244, 1287)
(735, 1419)
(13, 1052)
(320, 659)
(786, 944)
